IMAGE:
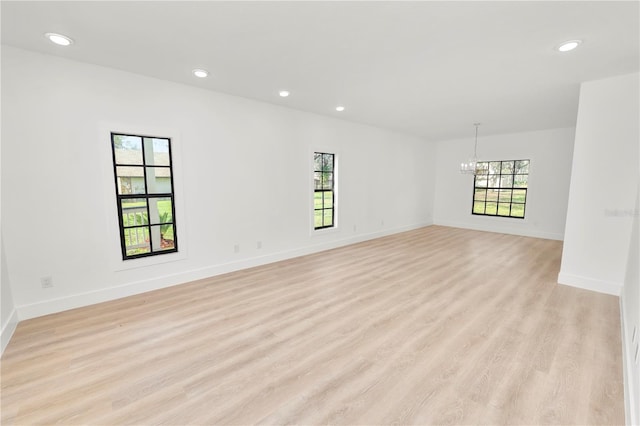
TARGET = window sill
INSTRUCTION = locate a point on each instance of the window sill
(323, 231)
(123, 265)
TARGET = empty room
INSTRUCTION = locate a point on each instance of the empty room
(299, 212)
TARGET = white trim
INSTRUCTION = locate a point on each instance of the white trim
(8, 329)
(630, 393)
(84, 299)
(586, 283)
(112, 228)
(323, 231)
(504, 229)
(336, 190)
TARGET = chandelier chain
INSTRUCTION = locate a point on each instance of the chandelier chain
(471, 166)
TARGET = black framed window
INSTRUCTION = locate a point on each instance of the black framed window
(500, 188)
(324, 190)
(144, 193)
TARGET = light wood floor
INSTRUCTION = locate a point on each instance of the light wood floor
(433, 326)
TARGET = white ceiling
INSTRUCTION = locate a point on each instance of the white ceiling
(430, 69)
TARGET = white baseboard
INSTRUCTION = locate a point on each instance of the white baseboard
(522, 231)
(631, 405)
(8, 329)
(590, 284)
(85, 299)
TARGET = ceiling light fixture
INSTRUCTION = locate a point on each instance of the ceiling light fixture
(471, 166)
(339, 108)
(200, 73)
(569, 45)
(284, 93)
(59, 39)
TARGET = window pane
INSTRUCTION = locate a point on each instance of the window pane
(137, 241)
(478, 207)
(505, 196)
(158, 180)
(494, 167)
(130, 180)
(328, 199)
(482, 168)
(134, 212)
(156, 152)
(125, 185)
(317, 200)
(317, 180)
(506, 181)
(317, 162)
(520, 181)
(519, 195)
(166, 236)
(127, 149)
(481, 181)
(522, 167)
(327, 163)
(327, 180)
(491, 208)
(517, 210)
(504, 209)
(492, 195)
(494, 181)
(160, 209)
(328, 217)
(317, 219)
(480, 194)
(507, 167)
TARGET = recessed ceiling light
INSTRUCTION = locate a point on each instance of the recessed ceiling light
(200, 73)
(339, 108)
(569, 45)
(284, 93)
(59, 39)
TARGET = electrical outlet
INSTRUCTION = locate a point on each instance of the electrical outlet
(259, 245)
(236, 248)
(46, 282)
(354, 228)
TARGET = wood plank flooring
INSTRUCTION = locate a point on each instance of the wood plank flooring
(433, 326)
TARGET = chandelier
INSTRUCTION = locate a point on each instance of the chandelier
(470, 167)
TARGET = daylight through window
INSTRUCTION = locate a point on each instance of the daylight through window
(324, 193)
(500, 188)
(144, 192)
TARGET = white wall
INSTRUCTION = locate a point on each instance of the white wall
(8, 313)
(550, 153)
(243, 175)
(630, 304)
(603, 185)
